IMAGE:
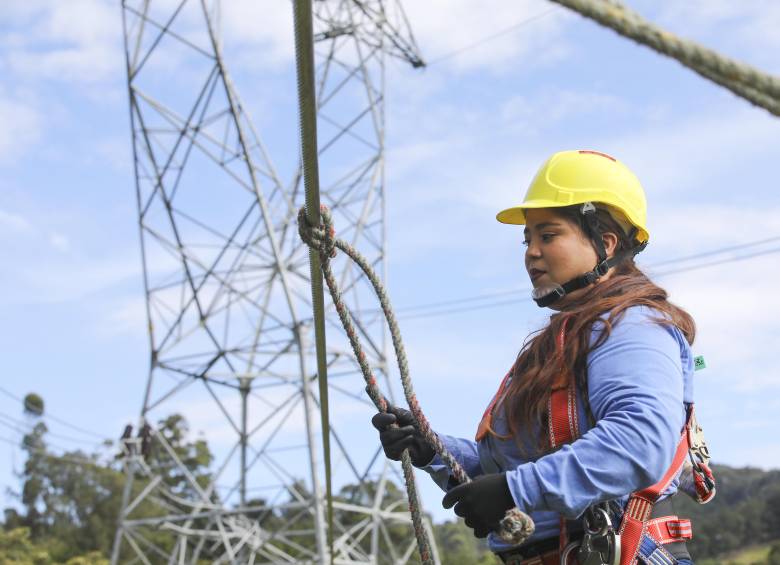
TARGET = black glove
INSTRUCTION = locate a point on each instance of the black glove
(406, 435)
(482, 502)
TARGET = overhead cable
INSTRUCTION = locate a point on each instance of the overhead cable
(524, 292)
(486, 39)
(718, 251)
(8, 418)
(53, 418)
(64, 458)
(24, 433)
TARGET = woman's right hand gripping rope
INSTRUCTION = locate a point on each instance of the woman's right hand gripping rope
(403, 435)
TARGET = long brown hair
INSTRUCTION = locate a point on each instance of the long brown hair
(540, 363)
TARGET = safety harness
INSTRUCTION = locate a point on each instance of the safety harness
(545, 296)
(640, 538)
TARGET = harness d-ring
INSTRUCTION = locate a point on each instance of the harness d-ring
(566, 553)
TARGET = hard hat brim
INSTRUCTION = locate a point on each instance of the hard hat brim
(516, 214)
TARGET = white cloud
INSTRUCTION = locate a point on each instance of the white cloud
(695, 152)
(117, 151)
(258, 35)
(59, 241)
(547, 108)
(78, 41)
(724, 225)
(732, 306)
(51, 263)
(123, 315)
(21, 127)
(14, 222)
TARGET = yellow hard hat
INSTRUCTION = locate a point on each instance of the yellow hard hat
(577, 177)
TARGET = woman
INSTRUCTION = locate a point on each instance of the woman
(595, 404)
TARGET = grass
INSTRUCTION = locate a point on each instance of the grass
(756, 555)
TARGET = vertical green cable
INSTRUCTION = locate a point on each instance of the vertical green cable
(307, 110)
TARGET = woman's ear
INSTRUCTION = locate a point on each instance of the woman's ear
(610, 243)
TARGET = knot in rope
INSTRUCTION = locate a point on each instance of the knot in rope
(322, 237)
(515, 527)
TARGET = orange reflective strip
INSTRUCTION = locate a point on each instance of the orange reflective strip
(487, 417)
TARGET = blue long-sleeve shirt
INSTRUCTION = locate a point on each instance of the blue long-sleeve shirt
(639, 381)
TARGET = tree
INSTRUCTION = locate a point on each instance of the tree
(771, 514)
(70, 502)
(194, 455)
(458, 546)
(16, 548)
(774, 555)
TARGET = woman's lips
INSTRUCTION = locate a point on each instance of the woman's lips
(535, 273)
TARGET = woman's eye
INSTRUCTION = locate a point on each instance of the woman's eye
(526, 242)
(547, 237)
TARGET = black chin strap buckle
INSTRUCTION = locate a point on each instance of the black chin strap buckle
(548, 296)
(601, 269)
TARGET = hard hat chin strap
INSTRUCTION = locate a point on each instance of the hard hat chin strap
(555, 293)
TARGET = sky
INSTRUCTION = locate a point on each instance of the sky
(464, 137)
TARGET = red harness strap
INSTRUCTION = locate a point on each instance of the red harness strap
(563, 428)
(562, 418)
(562, 405)
(640, 506)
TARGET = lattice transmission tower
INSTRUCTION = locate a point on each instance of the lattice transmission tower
(229, 306)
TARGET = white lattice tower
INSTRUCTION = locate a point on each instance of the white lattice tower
(228, 300)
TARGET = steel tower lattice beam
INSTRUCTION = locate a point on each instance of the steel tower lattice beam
(227, 298)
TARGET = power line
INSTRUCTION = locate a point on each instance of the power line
(715, 263)
(479, 297)
(56, 419)
(65, 458)
(461, 300)
(718, 251)
(479, 42)
(494, 304)
(20, 445)
(464, 309)
(8, 417)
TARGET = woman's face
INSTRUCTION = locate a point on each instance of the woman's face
(557, 250)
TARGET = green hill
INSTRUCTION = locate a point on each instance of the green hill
(744, 513)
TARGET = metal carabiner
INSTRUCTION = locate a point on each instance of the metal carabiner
(600, 544)
(567, 551)
(601, 523)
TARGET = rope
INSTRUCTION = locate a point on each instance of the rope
(307, 112)
(516, 526)
(755, 86)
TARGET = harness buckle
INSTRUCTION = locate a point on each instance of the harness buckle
(697, 479)
(601, 269)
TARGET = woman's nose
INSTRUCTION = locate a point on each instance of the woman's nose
(532, 249)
